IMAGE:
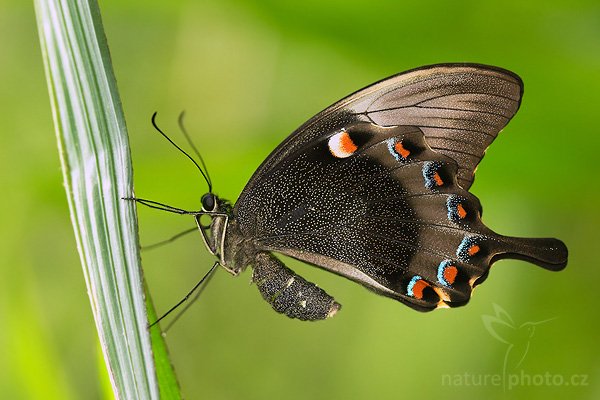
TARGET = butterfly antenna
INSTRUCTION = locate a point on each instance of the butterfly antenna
(187, 296)
(183, 151)
(191, 143)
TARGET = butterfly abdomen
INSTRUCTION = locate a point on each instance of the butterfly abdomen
(289, 293)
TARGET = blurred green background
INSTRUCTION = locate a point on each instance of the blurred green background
(249, 74)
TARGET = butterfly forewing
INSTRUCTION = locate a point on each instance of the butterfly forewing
(464, 103)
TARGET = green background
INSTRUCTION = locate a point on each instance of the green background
(247, 75)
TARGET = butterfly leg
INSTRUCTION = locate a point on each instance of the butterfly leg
(290, 294)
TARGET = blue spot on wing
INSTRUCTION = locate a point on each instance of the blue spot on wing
(452, 206)
(411, 285)
(430, 168)
(463, 251)
(440, 273)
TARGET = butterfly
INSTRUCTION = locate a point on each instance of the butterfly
(375, 188)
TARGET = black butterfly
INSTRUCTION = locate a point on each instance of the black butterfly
(375, 189)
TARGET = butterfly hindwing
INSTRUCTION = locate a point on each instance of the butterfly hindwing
(358, 203)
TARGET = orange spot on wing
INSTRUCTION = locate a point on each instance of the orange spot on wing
(438, 179)
(450, 274)
(418, 288)
(347, 144)
(461, 211)
(473, 250)
(401, 150)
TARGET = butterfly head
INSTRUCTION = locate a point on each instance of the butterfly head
(212, 222)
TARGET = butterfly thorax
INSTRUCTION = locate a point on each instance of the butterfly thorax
(239, 251)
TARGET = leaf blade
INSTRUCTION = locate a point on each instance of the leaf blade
(95, 158)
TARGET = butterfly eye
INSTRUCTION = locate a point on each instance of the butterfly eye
(208, 202)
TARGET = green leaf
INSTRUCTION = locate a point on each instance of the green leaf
(96, 164)
(167, 381)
